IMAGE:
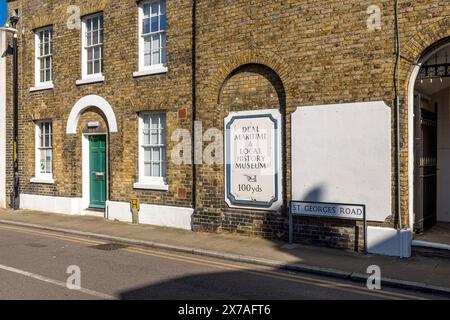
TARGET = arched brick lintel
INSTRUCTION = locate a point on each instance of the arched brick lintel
(248, 57)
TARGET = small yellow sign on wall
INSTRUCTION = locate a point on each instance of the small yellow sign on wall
(134, 204)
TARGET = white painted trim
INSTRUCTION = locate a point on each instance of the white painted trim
(84, 76)
(157, 215)
(42, 181)
(38, 176)
(147, 186)
(38, 84)
(85, 171)
(90, 80)
(151, 71)
(411, 86)
(42, 87)
(433, 245)
(91, 101)
(2, 121)
(142, 69)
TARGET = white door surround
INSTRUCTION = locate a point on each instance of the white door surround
(87, 102)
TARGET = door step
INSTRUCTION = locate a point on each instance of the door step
(431, 249)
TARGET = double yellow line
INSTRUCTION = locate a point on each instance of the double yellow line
(256, 270)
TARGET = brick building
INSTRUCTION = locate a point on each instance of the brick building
(104, 101)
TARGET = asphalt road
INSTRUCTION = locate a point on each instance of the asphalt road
(34, 264)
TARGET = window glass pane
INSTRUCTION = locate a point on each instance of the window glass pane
(155, 42)
(88, 25)
(146, 10)
(162, 7)
(47, 75)
(96, 53)
(162, 22)
(156, 167)
(155, 9)
(147, 170)
(95, 23)
(146, 26)
(155, 24)
(48, 162)
(101, 22)
(147, 44)
(163, 48)
(147, 155)
(156, 152)
(95, 37)
(88, 38)
(90, 54)
(42, 161)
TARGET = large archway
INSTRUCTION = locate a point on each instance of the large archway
(429, 144)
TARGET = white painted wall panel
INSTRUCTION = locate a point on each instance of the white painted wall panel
(342, 153)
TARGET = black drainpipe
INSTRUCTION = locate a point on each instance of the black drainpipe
(15, 196)
(194, 104)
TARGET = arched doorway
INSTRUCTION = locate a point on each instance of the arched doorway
(430, 143)
(93, 119)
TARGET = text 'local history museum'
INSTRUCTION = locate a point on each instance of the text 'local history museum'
(325, 122)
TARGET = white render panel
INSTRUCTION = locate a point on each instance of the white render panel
(341, 153)
(71, 206)
(389, 242)
(163, 216)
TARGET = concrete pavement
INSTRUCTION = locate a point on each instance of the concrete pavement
(420, 272)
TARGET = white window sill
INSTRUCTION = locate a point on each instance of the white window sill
(149, 72)
(90, 80)
(151, 186)
(41, 87)
(42, 180)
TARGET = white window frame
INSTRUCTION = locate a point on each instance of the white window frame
(152, 182)
(156, 68)
(41, 177)
(95, 77)
(42, 85)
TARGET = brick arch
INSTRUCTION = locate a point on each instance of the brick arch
(423, 43)
(426, 39)
(252, 57)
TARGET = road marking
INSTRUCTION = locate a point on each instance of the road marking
(56, 282)
(228, 266)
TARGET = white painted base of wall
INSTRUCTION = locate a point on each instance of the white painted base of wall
(62, 205)
(389, 242)
(164, 216)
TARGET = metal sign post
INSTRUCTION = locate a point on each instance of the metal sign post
(343, 211)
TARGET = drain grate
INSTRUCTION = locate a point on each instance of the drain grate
(109, 246)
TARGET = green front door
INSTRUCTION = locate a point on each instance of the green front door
(97, 164)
